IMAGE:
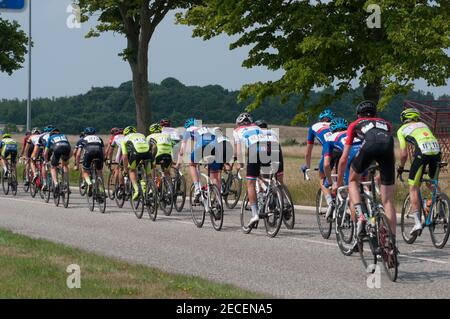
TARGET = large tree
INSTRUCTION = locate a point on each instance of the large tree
(137, 21)
(329, 43)
(12, 46)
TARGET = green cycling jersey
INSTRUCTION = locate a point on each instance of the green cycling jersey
(163, 142)
(419, 135)
(135, 142)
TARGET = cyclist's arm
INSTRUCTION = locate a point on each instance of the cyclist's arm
(403, 147)
(309, 148)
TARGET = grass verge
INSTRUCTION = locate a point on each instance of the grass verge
(34, 268)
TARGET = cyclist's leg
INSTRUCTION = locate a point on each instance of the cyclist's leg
(414, 181)
(55, 158)
(216, 174)
(193, 171)
(323, 182)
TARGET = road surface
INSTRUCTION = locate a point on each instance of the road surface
(295, 264)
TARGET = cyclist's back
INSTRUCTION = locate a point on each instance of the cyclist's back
(8, 147)
(161, 145)
(93, 146)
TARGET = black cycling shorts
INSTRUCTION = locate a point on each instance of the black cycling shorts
(58, 153)
(12, 155)
(165, 160)
(263, 159)
(30, 150)
(95, 153)
(418, 166)
(382, 154)
(135, 158)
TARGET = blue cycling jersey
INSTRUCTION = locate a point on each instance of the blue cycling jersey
(56, 139)
(320, 131)
(201, 136)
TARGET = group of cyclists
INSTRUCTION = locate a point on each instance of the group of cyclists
(347, 149)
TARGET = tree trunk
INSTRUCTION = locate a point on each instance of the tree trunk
(141, 91)
(372, 91)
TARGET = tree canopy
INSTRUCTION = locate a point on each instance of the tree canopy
(12, 46)
(329, 43)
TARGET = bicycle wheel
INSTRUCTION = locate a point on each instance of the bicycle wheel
(56, 194)
(407, 222)
(179, 192)
(82, 187)
(288, 208)
(100, 197)
(14, 184)
(321, 211)
(5, 183)
(233, 190)
(111, 185)
(151, 200)
(345, 230)
(48, 191)
(119, 193)
(387, 247)
(273, 212)
(197, 209)
(26, 179)
(439, 229)
(65, 190)
(216, 212)
(137, 205)
(246, 215)
(33, 189)
(166, 199)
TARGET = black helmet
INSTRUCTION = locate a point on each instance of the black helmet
(262, 124)
(366, 108)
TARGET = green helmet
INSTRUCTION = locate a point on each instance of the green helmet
(155, 128)
(6, 135)
(129, 130)
(409, 115)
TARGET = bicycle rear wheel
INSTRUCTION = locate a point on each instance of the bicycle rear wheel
(138, 204)
(82, 187)
(197, 209)
(166, 199)
(233, 193)
(65, 190)
(5, 183)
(216, 212)
(273, 211)
(179, 192)
(14, 184)
(345, 230)
(151, 200)
(111, 185)
(101, 195)
(321, 211)
(439, 229)
(407, 222)
(246, 215)
(56, 194)
(91, 192)
(387, 247)
(119, 193)
(288, 209)
(26, 178)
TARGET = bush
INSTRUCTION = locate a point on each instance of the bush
(290, 142)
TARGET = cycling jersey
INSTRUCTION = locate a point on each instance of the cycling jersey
(136, 143)
(427, 150)
(163, 142)
(320, 131)
(43, 138)
(378, 146)
(201, 136)
(58, 148)
(117, 140)
(419, 135)
(93, 150)
(174, 135)
(8, 147)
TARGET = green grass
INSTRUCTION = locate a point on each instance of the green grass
(32, 268)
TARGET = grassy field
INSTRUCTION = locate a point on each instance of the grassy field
(32, 268)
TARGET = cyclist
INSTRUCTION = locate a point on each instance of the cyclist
(57, 149)
(77, 146)
(38, 151)
(321, 132)
(24, 143)
(168, 129)
(134, 150)
(27, 151)
(223, 153)
(427, 153)
(8, 150)
(260, 153)
(161, 146)
(204, 146)
(378, 146)
(93, 146)
(116, 142)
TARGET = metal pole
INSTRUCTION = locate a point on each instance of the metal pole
(29, 70)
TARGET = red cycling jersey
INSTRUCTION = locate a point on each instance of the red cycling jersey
(365, 126)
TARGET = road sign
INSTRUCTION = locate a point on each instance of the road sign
(12, 4)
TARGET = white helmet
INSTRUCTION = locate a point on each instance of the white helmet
(244, 118)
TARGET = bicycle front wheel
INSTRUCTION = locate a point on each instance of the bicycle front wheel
(246, 215)
(166, 200)
(321, 212)
(65, 190)
(5, 183)
(137, 204)
(439, 229)
(407, 222)
(387, 247)
(216, 212)
(179, 193)
(26, 178)
(288, 209)
(119, 191)
(82, 187)
(345, 229)
(14, 184)
(111, 185)
(233, 193)
(151, 200)
(273, 212)
(100, 195)
(197, 209)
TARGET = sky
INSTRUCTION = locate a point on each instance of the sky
(66, 64)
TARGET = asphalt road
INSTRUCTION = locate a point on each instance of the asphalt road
(295, 264)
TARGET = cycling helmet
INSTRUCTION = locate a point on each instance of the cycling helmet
(119, 131)
(189, 122)
(82, 135)
(165, 123)
(366, 108)
(35, 131)
(90, 131)
(244, 118)
(155, 128)
(6, 135)
(49, 128)
(113, 131)
(262, 124)
(327, 114)
(409, 115)
(338, 124)
(129, 130)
